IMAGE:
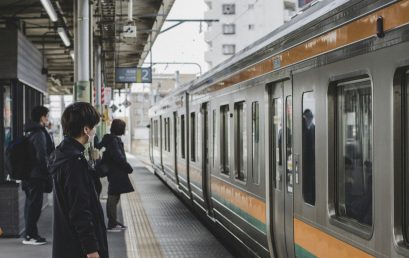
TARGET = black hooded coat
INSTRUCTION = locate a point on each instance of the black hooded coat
(114, 156)
(78, 227)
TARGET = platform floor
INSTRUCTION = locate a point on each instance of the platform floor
(159, 225)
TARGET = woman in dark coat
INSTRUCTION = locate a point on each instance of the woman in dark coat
(119, 183)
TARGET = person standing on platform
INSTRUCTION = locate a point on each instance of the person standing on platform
(39, 181)
(78, 229)
(119, 182)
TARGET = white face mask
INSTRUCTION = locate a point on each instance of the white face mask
(90, 135)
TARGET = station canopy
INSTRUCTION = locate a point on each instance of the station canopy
(108, 21)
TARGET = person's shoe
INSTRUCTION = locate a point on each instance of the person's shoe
(115, 228)
(34, 240)
(122, 226)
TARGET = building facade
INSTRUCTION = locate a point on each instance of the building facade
(242, 22)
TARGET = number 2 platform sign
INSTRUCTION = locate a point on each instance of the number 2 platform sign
(133, 75)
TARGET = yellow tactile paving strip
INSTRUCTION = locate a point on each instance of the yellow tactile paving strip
(139, 237)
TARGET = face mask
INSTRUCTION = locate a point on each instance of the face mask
(90, 135)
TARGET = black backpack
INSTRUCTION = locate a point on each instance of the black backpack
(20, 158)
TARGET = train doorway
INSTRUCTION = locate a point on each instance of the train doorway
(281, 168)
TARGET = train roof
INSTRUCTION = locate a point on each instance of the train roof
(266, 46)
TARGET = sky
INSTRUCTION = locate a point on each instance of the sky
(184, 43)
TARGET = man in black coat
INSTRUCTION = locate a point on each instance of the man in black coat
(39, 181)
(78, 229)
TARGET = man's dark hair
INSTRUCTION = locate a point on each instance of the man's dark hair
(76, 116)
(38, 112)
(118, 127)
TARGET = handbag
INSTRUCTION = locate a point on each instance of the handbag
(102, 168)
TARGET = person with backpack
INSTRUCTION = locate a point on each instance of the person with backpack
(117, 171)
(37, 181)
(78, 226)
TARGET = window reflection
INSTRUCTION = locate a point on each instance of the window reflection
(355, 151)
(8, 116)
(308, 148)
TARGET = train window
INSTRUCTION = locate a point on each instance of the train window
(308, 148)
(155, 133)
(193, 136)
(277, 142)
(182, 136)
(405, 156)
(240, 140)
(255, 140)
(289, 140)
(166, 134)
(354, 144)
(224, 139)
(214, 135)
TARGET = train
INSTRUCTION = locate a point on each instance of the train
(298, 145)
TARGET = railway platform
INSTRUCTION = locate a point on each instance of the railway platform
(153, 231)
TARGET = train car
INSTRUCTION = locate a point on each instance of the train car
(297, 146)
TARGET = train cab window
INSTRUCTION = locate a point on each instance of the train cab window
(224, 139)
(354, 151)
(182, 136)
(193, 136)
(277, 146)
(240, 140)
(308, 148)
(255, 141)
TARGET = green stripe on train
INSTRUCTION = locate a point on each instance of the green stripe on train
(247, 217)
(300, 252)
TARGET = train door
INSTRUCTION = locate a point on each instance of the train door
(281, 168)
(206, 158)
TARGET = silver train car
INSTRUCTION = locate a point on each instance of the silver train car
(298, 146)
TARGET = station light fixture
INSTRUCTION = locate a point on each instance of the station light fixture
(63, 36)
(50, 10)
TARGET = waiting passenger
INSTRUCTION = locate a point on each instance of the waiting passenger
(114, 157)
(39, 181)
(78, 228)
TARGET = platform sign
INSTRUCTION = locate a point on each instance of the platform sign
(133, 75)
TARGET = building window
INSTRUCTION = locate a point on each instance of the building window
(308, 148)
(354, 144)
(182, 136)
(229, 29)
(229, 9)
(240, 140)
(255, 140)
(193, 136)
(251, 26)
(224, 139)
(229, 49)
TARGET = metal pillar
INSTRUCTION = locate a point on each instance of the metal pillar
(82, 89)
